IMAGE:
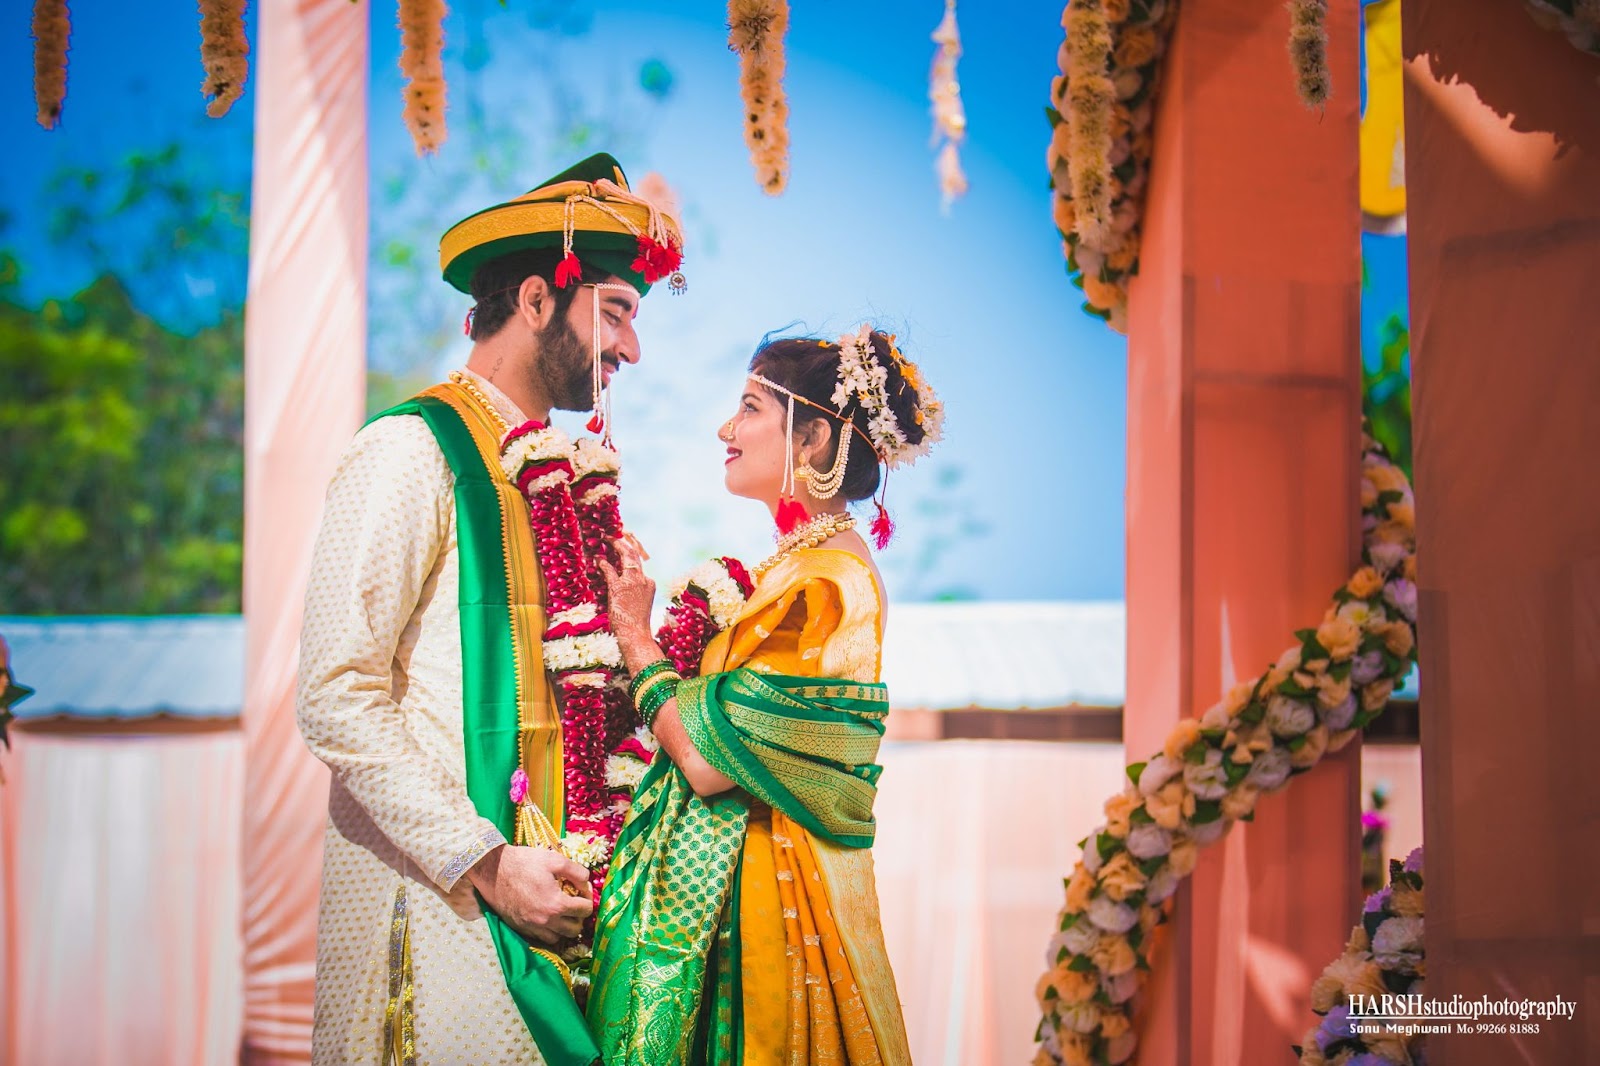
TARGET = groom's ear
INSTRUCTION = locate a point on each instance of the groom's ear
(536, 302)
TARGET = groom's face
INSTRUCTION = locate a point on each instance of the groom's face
(564, 356)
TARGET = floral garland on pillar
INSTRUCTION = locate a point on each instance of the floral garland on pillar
(755, 32)
(1212, 771)
(225, 51)
(1102, 112)
(422, 63)
(1384, 957)
(52, 30)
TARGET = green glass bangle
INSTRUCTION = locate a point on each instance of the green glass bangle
(644, 675)
(656, 697)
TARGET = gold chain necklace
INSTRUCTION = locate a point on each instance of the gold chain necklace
(458, 378)
(813, 533)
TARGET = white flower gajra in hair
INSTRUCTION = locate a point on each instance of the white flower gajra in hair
(863, 383)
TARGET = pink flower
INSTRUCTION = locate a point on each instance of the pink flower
(519, 785)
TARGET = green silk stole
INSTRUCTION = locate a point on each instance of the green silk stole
(805, 746)
(508, 717)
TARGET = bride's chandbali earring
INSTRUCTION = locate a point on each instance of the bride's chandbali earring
(826, 486)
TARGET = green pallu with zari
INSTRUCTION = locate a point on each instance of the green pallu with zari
(666, 969)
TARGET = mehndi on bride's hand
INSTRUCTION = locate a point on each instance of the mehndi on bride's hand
(632, 593)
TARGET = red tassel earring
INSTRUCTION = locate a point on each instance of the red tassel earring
(882, 527)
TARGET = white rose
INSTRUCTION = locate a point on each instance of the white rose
(1402, 595)
(1216, 717)
(1208, 780)
(1162, 886)
(1366, 668)
(1361, 614)
(1121, 988)
(1079, 1017)
(1270, 769)
(1397, 945)
(1289, 661)
(1080, 939)
(1157, 772)
(1148, 841)
(1386, 557)
(1289, 717)
(1211, 832)
(1091, 850)
(1340, 717)
(1111, 916)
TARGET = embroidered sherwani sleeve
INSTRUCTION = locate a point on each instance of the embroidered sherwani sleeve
(387, 522)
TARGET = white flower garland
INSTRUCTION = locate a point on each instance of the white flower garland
(722, 592)
(586, 652)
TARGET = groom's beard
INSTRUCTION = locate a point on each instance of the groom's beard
(565, 369)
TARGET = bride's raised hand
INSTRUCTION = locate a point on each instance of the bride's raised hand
(632, 593)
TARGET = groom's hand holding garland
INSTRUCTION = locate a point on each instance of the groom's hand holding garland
(525, 887)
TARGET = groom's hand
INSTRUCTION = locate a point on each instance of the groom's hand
(524, 887)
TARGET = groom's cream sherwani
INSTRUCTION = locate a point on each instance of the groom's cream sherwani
(379, 700)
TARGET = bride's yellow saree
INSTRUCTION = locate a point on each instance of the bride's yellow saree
(743, 930)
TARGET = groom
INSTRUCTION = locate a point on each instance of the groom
(421, 681)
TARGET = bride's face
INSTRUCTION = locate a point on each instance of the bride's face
(754, 436)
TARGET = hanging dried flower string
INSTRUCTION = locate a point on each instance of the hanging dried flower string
(1308, 50)
(52, 28)
(422, 63)
(1101, 141)
(949, 116)
(1089, 97)
(1212, 771)
(755, 32)
(225, 52)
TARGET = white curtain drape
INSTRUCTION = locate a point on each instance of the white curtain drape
(119, 900)
(305, 383)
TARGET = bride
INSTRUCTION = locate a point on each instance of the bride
(740, 922)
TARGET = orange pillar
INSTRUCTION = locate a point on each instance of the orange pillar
(1503, 175)
(1243, 464)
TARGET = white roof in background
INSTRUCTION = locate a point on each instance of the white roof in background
(191, 666)
(936, 656)
(945, 656)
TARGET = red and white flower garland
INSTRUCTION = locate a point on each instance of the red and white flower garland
(572, 499)
(705, 602)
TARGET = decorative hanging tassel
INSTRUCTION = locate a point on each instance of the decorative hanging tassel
(791, 515)
(882, 527)
(596, 423)
(568, 270)
(466, 325)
